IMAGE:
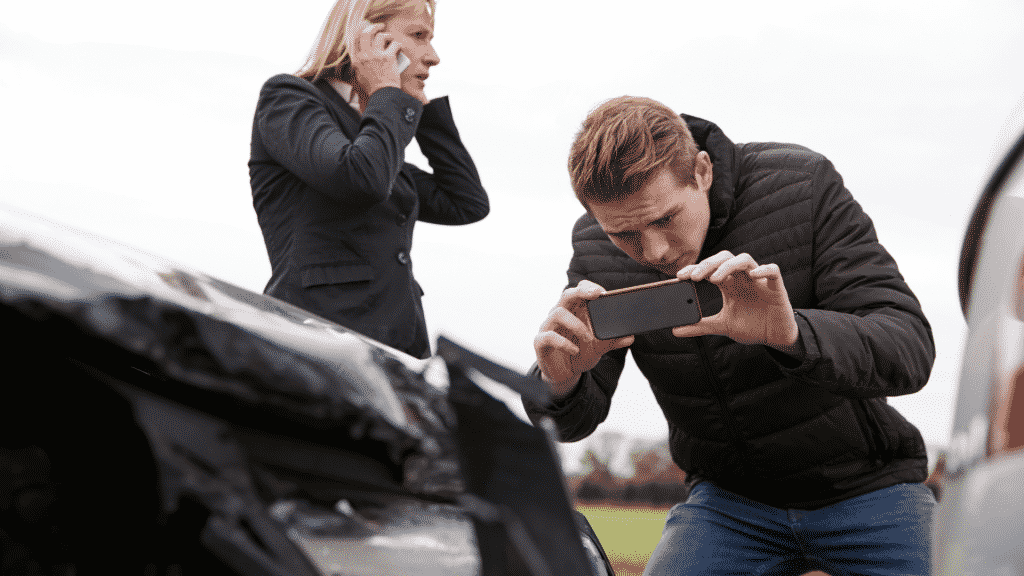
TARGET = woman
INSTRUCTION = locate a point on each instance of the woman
(333, 195)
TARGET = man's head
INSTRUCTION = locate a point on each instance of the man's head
(635, 167)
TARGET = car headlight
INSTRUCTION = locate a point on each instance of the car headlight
(401, 536)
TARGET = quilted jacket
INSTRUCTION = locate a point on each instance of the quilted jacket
(788, 432)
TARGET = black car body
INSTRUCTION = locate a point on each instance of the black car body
(156, 420)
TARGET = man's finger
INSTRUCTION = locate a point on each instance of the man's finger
(685, 272)
(560, 317)
(573, 297)
(706, 267)
(605, 346)
(770, 271)
(709, 325)
(550, 341)
(589, 290)
(742, 263)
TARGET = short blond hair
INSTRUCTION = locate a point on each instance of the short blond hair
(330, 54)
(622, 143)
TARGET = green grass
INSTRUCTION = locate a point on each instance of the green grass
(628, 535)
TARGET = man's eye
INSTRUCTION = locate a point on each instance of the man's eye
(663, 221)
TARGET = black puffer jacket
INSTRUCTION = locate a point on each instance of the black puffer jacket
(791, 433)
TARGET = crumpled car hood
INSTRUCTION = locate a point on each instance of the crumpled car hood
(209, 334)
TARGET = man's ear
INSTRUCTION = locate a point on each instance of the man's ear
(703, 171)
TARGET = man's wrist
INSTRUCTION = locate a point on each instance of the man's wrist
(791, 344)
(561, 391)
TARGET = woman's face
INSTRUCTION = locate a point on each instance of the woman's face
(412, 29)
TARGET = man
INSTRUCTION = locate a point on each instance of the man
(776, 404)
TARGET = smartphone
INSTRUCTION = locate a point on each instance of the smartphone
(403, 62)
(645, 308)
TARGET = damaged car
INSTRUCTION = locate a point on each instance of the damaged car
(158, 421)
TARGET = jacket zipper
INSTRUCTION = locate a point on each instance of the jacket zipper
(730, 421)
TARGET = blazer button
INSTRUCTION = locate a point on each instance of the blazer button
(403, 258)
(402, 219)
(409, 114)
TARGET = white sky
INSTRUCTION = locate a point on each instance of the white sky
(133, 120)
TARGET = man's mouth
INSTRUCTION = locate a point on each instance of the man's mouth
(670, 267)
(664, 267)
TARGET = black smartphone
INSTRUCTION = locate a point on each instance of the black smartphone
(645, 308)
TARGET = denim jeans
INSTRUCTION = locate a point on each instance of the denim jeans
(716, 532)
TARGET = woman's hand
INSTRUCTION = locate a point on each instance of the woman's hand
(374, 59)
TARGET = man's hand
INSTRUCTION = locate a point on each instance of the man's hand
(566, 346)
(755, 305)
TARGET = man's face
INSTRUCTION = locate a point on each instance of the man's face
(663, 224)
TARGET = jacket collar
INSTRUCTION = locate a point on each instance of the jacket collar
(343, 107)
(721, 197)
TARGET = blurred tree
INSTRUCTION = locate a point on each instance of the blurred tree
(654, 479)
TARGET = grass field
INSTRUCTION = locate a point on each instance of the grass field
(628, 535)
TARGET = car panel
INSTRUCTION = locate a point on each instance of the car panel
(980, 523)
(161, 421)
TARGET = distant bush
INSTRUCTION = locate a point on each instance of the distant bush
(590, 492)
(655, 481)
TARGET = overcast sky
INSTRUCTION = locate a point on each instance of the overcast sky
(132, 119)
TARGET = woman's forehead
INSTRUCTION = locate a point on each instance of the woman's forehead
(412, 8)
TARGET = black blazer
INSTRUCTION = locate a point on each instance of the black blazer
(337, 202)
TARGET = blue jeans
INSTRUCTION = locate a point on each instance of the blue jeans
(716, 532)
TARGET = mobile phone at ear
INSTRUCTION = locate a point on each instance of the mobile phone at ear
(403, 62)
(644, 308)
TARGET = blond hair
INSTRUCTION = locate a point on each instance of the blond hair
(622, 143)
(330, 54)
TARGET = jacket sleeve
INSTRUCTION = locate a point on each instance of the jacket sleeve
(578, 414)
(299, 133)
(867, 336)
(453, 194)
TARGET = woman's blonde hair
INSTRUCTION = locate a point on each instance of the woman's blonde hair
(330, 54)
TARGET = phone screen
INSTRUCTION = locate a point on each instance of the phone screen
(403, 62)
(644, 309)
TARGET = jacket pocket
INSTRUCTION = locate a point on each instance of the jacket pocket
(336, 274)
(882, 440)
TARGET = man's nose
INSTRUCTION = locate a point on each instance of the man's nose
(654, 246)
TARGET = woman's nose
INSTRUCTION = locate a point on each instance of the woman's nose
(430, 57)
